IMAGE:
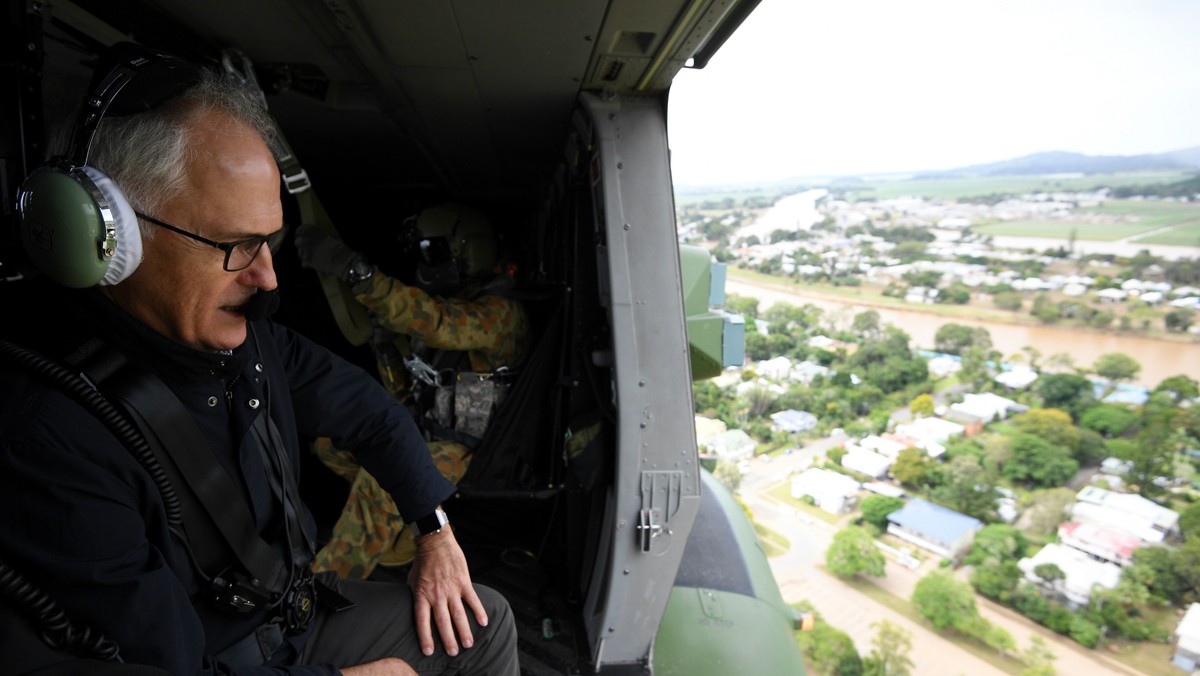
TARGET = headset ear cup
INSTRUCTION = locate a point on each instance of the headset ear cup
(65, 232)
(128, 253)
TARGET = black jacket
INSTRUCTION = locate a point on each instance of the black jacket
(83, 519)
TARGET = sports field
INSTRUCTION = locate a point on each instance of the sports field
(1160, 222)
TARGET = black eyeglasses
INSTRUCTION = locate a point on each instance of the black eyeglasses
(238, 255)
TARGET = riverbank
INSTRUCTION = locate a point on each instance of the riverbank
(870, 297)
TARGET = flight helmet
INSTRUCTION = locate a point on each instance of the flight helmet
(451, 244)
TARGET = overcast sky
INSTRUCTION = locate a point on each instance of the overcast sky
(832, 87)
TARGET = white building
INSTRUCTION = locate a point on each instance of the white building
(1187, 640)
(1082, 573)
(732, 446)
(1133, 514)
(832, 492)
(1017, 378)
(885, 447)
(1099, 542)
(930, 431)
(866, 462)
(987, 406)
(779, 368)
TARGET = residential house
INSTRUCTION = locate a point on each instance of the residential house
(779, 368)
(1100, 542)
(1081, 573)
(732, 446)
(831, 491)
(942, 366)
(942, 531)
(805, 372)
(793, 421)
(866, 462)
(1133, 514)
(1017, 377)
(707, 428)
(988, 407)
(930, 434)
(888, 448)
(1187, 640)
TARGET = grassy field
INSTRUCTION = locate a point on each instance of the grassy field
(1116, 219)
(773, 543)
(956, 188)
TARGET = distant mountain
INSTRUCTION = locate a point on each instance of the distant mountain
(1059, 162)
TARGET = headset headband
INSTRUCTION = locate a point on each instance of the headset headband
(129, 79)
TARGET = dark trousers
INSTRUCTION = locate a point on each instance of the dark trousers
(381, 625)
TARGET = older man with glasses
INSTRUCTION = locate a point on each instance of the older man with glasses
(248, 390)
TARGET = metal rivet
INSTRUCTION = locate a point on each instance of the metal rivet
(212, 401)
(221, 363)
(626, 226)
(258, 367)
(253, 403)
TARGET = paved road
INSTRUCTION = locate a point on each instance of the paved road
(801, 576)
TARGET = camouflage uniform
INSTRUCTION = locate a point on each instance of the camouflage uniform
(492, 331)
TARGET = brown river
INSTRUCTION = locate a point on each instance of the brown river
(1160, 359)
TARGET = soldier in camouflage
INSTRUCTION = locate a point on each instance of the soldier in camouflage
(446, 356)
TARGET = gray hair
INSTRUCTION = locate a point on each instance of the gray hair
(146, 154)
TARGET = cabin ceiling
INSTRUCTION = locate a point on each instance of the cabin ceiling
(468, 97)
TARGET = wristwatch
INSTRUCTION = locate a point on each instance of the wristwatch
(358, 272)
(430, 523)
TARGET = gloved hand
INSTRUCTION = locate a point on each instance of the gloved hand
(323, 252)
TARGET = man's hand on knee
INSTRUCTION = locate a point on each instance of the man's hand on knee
(391, 666)
(441, 583)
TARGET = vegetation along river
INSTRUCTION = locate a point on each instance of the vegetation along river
(1159, 358)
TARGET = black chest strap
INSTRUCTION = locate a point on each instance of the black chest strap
(218, 522)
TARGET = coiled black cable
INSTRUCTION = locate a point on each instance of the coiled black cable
(86, 395)
(56, 629)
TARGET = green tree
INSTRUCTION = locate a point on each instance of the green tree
(888, 362)
(1155, 567)
(729, 475)
(866, 324)
(1039, 462)
(1116, 366)
(1051, 576)
(853, 551)
(1066, 391)
(742, 305)
(1189, 520)
(978, 367)
(1051, 425)
(875, 510)
(1048, 509)
(891, 646)
(922, 405)
(1109, 420)
(996, 579)
(1179, 387)
(997, 542)
(954, 338)
(829, 650)
(944, 601)
(910, 466)
(1187, 563)
(1008, 300)
(966, 488)
(1045, 309)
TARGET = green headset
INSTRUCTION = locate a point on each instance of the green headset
(75, 224)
